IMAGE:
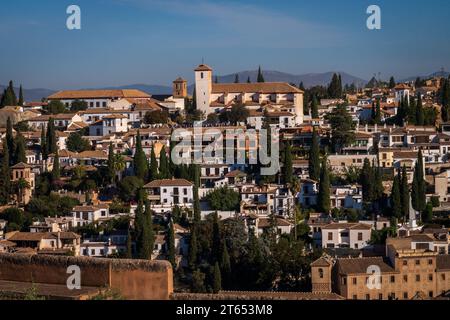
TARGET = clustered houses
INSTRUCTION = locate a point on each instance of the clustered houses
(416, 257)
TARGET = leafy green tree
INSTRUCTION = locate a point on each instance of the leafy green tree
(156, 117)
(323, 199)
(129, 187)
(76, 143)
(198, 282)
(238, 113)
(217, 285)
(56, 107)
(260, 77)
(335, 87)
(342, 127)
(224, 199)
(314, 157)
(140, 159)
(9, 96)
(78, 105)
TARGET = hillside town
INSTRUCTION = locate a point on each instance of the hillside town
(362, 185)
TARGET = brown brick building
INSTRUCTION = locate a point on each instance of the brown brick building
(404, 274)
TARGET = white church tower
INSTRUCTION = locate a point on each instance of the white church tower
(203, 87)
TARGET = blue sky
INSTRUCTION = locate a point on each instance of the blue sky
(155, 41)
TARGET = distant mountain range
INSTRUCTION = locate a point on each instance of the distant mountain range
(432, 75)
(309, 80)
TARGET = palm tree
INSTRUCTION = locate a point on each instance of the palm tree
(119, 165)
(21, 185)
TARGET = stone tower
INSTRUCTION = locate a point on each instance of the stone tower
(179, 88)
(203, 87)
(321, 275)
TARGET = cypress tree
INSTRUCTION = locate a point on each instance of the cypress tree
(171, 244)
(420, 117)
(377, 119)
(236, 78)
(5, 176)
(13, 94)
(129, 252)
(163, 165)
(396, 201)
(314, 158)
(140, 159)
(225, 265)
(10, 141)
(404, 192)
(216, 80)
(323, 199)
(367, 182)
(51, 137)
(197, 216)
(260, 77)
(139, 229)
(147, 237)
(193, 249)
(111, 165)
(44, 149)
(391, 83)
(314, 108)
(55, 171)
(153, 173)
(288, 174)
(217, 284)
(21, 101)
(215, 256)
(427, 214)
(20, 155)
(418, 196)
(248, 79)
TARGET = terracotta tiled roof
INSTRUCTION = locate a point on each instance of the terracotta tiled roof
(261, 87)
(168, 183)
(96, 94)
(321, 262)
(203, 67)
(360, 265)
(21, 165)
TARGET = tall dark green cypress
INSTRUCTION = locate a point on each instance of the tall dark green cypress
(163, 164)
(217, 280)
(44, 149)
(314, 108)
(153, 171)
(56, 171)
(21, 101)
(225, 266)
(171, 244)
(51, 136)
(139, 228)
(314, 157)
(367, 182)
(215, 250)
(418, 192)
(20, 152)
(248, 79)
(5, 176)
(10, 141)
(140, 159)
(404, 189)
(236, 78)
(147, 237)
(111, 165)
(197, 215)
(129, 252)
(193, 248)
(288, 173)
(420, 116)
(260, 77)
(396, 199)
(323, 199)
